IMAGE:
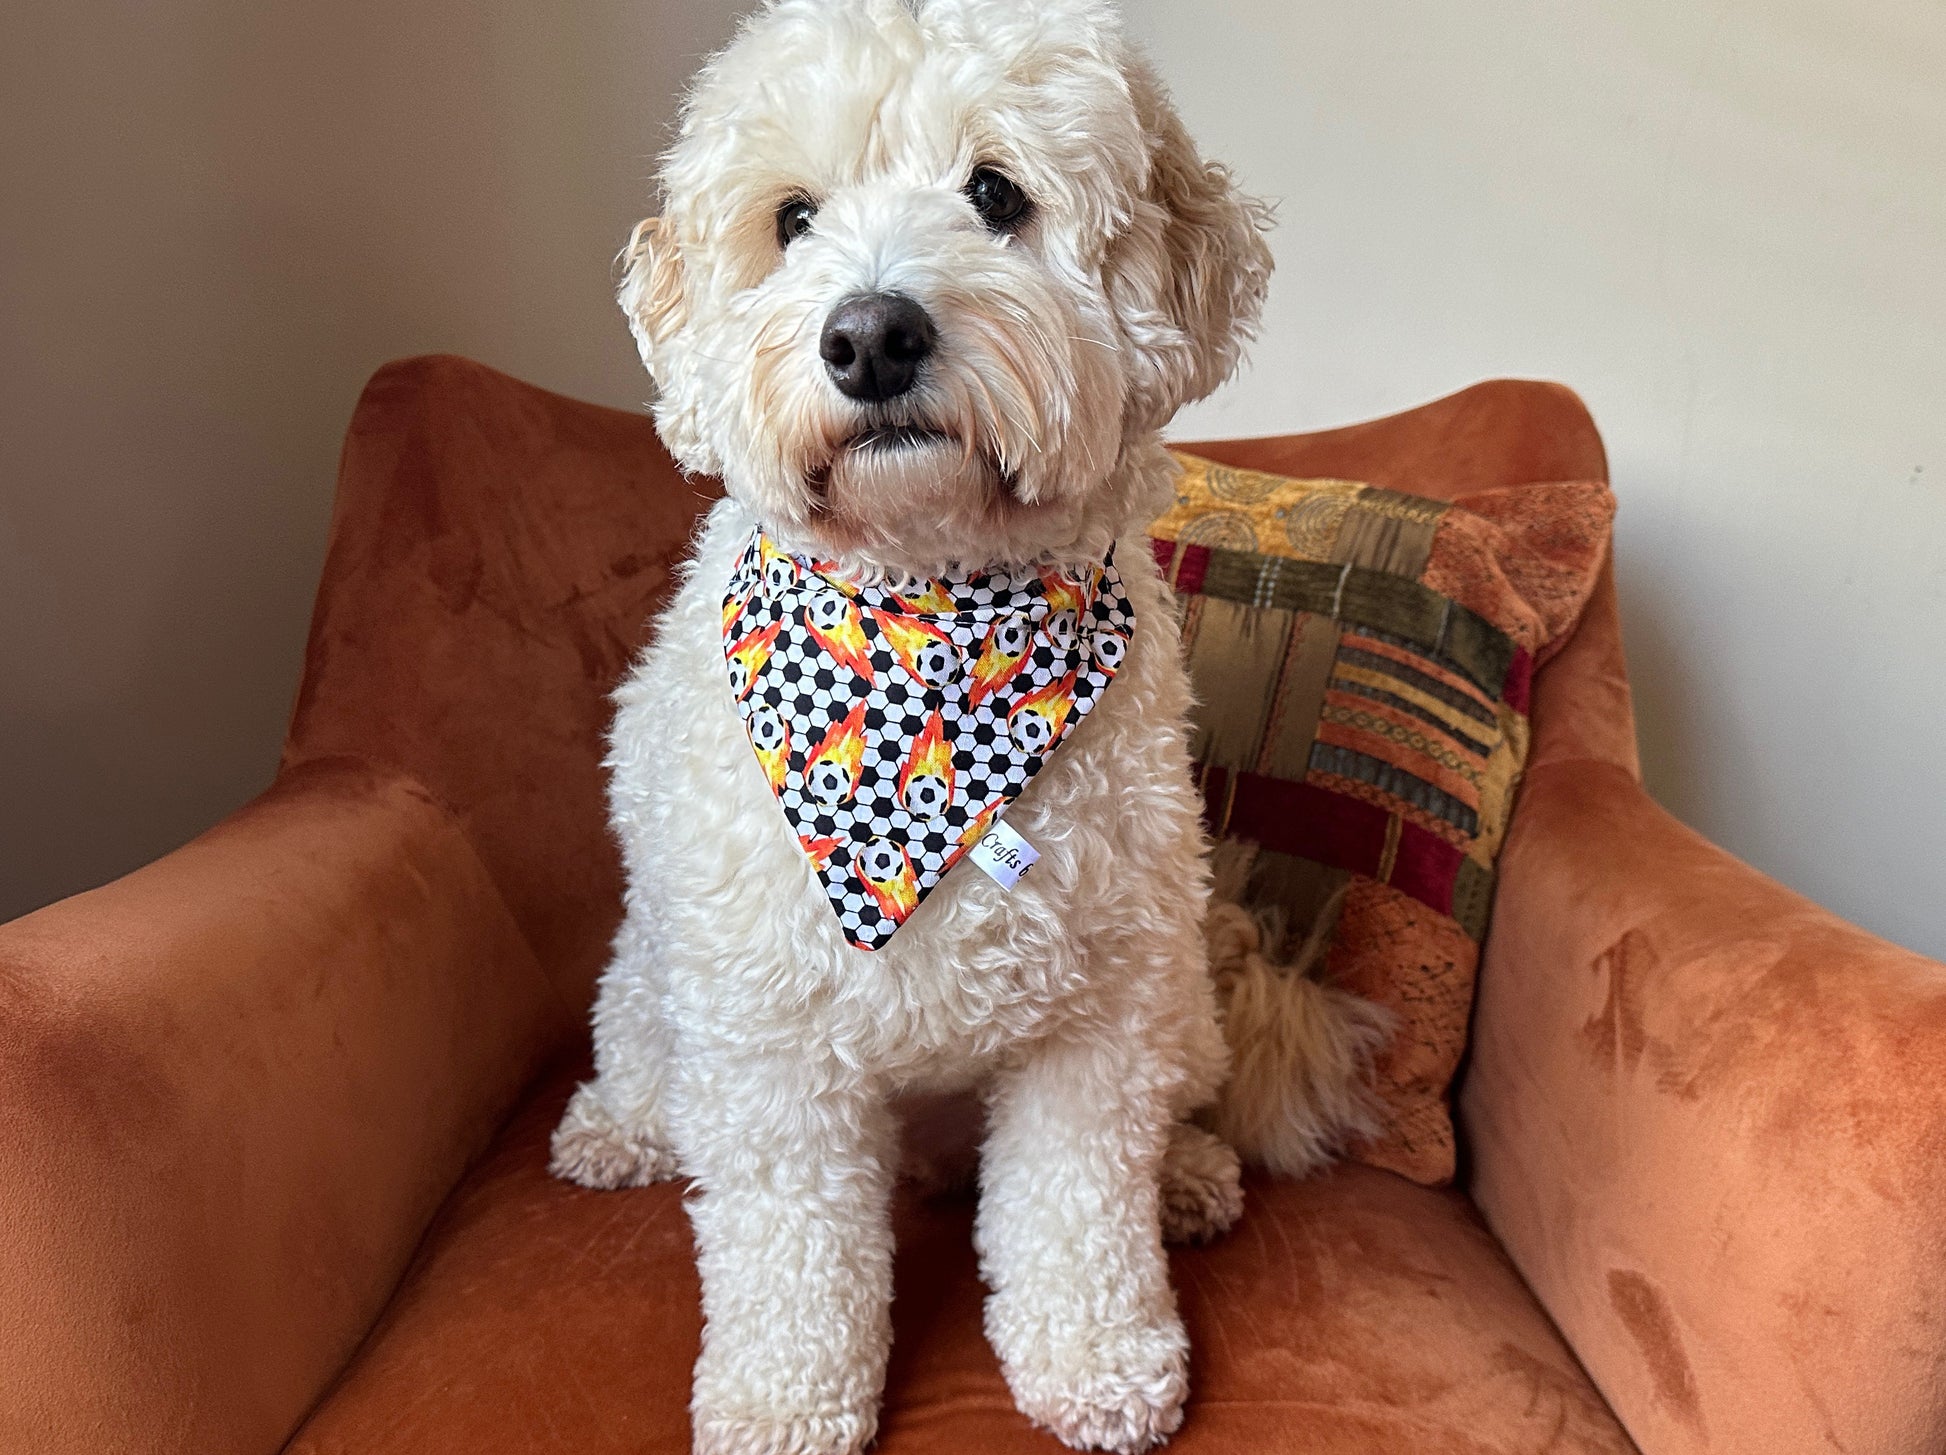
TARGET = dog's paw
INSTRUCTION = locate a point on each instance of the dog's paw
(839, 1434)
(590, 1147)
(1201, 1191)
(1124, 1392)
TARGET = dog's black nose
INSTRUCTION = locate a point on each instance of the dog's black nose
(873, 345)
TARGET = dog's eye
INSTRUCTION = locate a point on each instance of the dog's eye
(1002, 206)
(794, 220)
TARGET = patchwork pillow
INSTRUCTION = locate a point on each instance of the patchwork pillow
(1362, 661)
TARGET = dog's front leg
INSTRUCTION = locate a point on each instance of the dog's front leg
(794, 1244)
(1081, 1313)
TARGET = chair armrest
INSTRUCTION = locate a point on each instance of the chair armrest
(234, 1087)
(1708, 1121)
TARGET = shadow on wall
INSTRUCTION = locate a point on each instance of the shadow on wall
(1671, 706)
(229, 216)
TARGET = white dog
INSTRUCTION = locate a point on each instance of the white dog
(931, 277)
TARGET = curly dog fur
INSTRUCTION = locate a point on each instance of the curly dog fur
(739, 1039)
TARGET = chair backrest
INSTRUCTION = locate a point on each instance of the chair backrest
(497, 553)
(1502, 432)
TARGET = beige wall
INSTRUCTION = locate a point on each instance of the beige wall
(1725, 225)
(216, 219)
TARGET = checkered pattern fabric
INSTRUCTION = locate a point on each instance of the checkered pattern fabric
(895, 724)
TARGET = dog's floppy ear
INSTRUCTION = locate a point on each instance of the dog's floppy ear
(1188, 279)
(657, 305)
(651, 293)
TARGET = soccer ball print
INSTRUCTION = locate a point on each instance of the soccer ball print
(896, 723)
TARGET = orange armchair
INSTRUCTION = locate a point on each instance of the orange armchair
(273, 1110)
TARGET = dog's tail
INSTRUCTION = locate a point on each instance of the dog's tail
(1301, 1049)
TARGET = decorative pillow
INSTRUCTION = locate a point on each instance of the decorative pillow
(1362, 660)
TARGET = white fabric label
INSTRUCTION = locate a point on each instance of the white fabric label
(1004, 855)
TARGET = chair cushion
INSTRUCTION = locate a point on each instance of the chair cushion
(1362, 660)
(1351, 1314)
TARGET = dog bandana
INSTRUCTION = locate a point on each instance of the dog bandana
(895, 726)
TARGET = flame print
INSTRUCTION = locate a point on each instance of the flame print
(922, 648)
(1064, 593)
(770, 736)
(1066, 601)
(778, 570)
(818, 851)
(1002, 655)
(748, 656)
(834, 624)
(861, 700)
(885, 869)
(975, 830)
(832, 771)
(835, 575)
(935, 600)
(926, 784)
(1037, 719)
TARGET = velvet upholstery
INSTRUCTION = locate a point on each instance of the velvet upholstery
(1708, 1119)
(238, 1086)
(1504, 432)
(495, 551)
(233, 1087)
(1347, 1314)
